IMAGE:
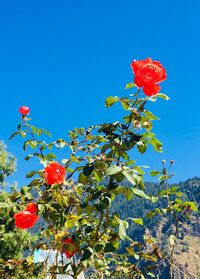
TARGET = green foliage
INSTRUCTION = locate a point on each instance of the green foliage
(14, 243)
(7, 164)
(98, 168)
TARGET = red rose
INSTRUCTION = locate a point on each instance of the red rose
(31, 207)
(147, 74)
(25, 219)
(54, 173)
(24, 110)
(151, 89)
(71, 247)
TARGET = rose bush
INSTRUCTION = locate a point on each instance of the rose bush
(75, 198)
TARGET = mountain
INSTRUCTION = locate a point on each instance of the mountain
(187, 252)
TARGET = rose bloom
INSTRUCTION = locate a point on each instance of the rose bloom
(31, 207)
(147, 74)
(54, 173)
(24, 110)
(72, 249)
(25, 219)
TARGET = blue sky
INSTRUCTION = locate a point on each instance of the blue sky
(63, 58)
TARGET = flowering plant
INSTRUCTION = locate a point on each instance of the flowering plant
(75, 196)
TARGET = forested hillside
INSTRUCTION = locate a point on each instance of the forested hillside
(187, 253)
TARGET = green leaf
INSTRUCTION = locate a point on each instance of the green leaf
(154, 199)
(153, 213)
(113, 169)
(71, 221)
(109, 248)
(87, 254)
(111, 101)
(13, 135)
(130, 176)
(88, 169)
(150, 115)
(159, 95)
(131, 162)
(139, 193)
(123, 225)
(154, 173)
(157, 145)
(28, 157)
(151, 274)
(138, 221)
(162, 96)
(130, 85)
(124, 103)
(33, 144)
(142, 148)
(128, 194)
(192, 205)
(4, 204)
(98, 175)
(31, 174)
(82, 178)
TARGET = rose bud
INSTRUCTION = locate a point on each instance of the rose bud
(24, 110)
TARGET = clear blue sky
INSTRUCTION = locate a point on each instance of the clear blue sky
(62, 58)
